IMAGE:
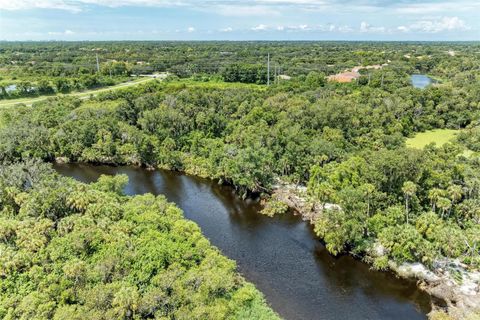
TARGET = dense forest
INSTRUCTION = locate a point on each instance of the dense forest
(76, 251)
(31, 68)
(344, 141)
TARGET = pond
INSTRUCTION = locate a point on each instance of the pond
(421, 81)
(280, 255)
(11, 88)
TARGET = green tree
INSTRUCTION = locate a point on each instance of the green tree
(455, 194)
(409, 189)
(434, 195)
(444, 205)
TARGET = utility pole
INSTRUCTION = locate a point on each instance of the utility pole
(382, 80)
(98, 65)
(268, 69)
(275, 74)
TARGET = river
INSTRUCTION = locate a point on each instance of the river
(279, 255)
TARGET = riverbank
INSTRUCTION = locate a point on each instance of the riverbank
(454, 288)
(268, 249)
(458, 299)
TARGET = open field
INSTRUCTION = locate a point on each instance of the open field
(437, 136)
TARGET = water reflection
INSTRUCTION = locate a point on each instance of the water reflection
(280, 255)
(421, 81)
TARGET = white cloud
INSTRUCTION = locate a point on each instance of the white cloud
(257, 7)
(243, 11)
(436, 25)
(243, 5)
(366, 27)
(407, 16)
(301, 27)
(270, 8)
(222, 7)
(442, 6)
(260, 27)
(330, 27)
(78, 5)
(345, 29)
(64, 33)
(38, 4)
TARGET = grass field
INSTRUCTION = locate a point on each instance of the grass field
(437, 136)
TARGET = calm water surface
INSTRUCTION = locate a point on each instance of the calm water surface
(421, 81)
(279, 255)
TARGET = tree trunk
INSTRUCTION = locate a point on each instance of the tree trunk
(406, 208)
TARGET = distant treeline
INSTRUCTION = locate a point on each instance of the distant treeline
(72, 59)
(70, 250)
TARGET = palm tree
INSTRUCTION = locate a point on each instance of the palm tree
(455, 193)
(368, 190)
(409, 189)
(444, 204)
(435, 194)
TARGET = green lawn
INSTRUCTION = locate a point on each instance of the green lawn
(438, 136)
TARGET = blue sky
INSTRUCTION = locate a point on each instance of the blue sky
(239, 20)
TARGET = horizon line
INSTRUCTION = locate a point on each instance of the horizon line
(244, 40)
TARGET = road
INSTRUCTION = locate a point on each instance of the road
(81, 95)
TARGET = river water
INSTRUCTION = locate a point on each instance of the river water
(279, 255)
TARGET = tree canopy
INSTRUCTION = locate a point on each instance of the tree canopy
(76, 251)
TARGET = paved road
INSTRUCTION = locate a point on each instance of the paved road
(81, 95)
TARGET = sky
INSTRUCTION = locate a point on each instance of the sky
(73, 20)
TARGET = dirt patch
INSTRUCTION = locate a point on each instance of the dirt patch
(344, 77)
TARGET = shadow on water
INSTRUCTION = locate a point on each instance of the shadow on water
(280, 255)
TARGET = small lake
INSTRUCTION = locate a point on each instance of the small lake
(421, 81)
(11, 88)
(280, 255)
